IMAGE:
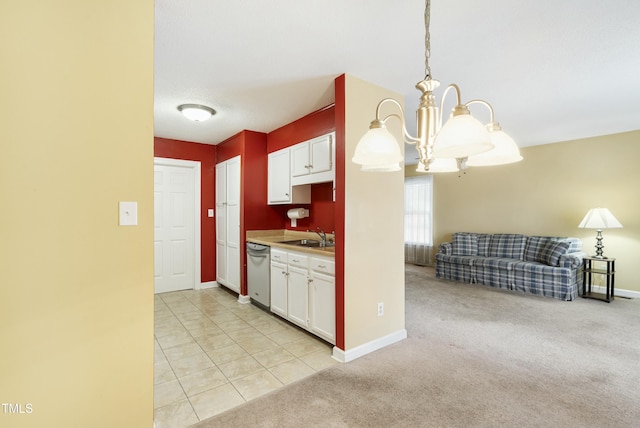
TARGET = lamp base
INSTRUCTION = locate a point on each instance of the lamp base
(599, 245)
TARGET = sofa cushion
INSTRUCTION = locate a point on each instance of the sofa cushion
(551, 252)
(535, 245)
(465, 244)
(507, 245)
(484, 239)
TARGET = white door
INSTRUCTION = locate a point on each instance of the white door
(221, 222)
(233, 224)
(174, 229)
(228, 224)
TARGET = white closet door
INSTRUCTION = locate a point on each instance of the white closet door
(233, 224)
(228, 224)
(174, 266)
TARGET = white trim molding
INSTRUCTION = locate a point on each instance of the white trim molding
(209, 284)
(617, 292)
(244, 299)
(364, 349)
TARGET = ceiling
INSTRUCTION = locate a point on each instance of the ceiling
(553, 70)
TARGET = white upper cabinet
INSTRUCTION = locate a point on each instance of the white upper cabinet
(279, 180)
(279, 190)
(313, 161)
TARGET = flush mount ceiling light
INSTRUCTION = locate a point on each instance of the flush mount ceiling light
(462, 139)
(196, 112)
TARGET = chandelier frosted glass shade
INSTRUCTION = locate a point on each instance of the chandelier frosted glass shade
(461, 136)
(505, 151)
(378, 151)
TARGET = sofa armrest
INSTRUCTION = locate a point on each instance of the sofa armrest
(445, 248)
(572, 260)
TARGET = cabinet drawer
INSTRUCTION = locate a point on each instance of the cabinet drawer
(323, 265)
(278, 255)
(297, 259)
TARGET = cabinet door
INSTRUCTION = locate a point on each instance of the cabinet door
(298, 296)
(233, 224)
(279, 289)
(320, 150)
(300, 160)
(221, 223)
(279, 178)
(322, 306)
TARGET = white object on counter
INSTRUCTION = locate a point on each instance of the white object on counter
(297, 213)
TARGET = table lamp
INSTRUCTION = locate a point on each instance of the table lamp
(599, 218)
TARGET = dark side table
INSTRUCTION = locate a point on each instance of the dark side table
(600, 266)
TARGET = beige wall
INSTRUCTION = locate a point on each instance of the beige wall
(76, 294)
(548, 193)
(374, 248)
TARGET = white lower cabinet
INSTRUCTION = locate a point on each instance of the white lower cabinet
(278, 287)
(298, 296)
(303, 291)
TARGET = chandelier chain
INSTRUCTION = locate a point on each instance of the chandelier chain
(427, 39)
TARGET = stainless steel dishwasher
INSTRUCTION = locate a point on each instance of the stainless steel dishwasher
(258, 274)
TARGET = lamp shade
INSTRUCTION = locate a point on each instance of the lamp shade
(378, 150)
(599, 218)
(505, 151)
(461, 136)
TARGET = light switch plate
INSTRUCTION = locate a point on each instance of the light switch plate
(210, 212)
(128, 213)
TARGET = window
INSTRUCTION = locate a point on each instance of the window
(418, 218)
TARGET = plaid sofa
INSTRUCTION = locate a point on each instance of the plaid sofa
(544, 265)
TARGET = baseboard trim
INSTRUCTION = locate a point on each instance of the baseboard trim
(244, 299)
(208, 284)
(617, 292)
(364, 349)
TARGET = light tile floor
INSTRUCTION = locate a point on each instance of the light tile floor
(213, 353)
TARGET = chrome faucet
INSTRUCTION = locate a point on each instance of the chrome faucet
(322, 235)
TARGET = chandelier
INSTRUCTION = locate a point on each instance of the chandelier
(460, 142)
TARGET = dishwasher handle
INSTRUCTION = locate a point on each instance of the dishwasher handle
(257, 250)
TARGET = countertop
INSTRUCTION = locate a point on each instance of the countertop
(274, 238)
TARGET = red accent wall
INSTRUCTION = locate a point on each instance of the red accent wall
(322, 207)
(206, 155)
(313, 125)
(340, 122)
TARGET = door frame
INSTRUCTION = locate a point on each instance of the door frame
(197, 196)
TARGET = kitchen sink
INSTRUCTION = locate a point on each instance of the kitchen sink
(308, 243)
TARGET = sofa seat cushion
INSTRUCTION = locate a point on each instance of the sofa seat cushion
(507, 246)
(537, 278)
(495, 263)
(460, 260)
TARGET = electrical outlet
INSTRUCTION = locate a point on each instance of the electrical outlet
(380, 309)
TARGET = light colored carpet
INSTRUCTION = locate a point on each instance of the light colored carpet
(475, 357)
